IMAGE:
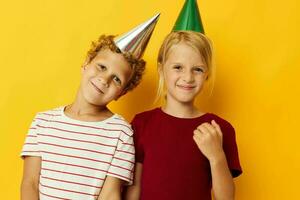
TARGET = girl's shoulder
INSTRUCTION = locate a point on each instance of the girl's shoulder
(146, 114)
(220, 120)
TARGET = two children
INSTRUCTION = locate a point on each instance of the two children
(181, 152)
(83, 150)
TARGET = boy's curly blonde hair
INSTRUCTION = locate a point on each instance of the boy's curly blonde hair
(137, 65)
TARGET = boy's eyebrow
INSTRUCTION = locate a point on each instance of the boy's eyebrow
(100, 64)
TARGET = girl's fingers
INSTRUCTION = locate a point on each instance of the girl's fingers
(217, 127)
(210, 128)
(197, 138)
(197, 132)
(203, 129)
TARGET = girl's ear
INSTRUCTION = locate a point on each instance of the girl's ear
(207, 74)
(160, 69)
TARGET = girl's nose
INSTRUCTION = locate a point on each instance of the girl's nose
(188, 77)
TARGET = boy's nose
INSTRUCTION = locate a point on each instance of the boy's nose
(103, 80)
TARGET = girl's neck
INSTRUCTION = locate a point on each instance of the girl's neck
(181, 110)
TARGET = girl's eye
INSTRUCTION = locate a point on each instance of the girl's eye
(101, 67)
(117, 80)
(177, 67)
(199, 69)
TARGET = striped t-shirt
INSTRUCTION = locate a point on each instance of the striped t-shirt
(78, 155)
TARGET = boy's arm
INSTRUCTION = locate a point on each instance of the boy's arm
(133, 192)
(31, 177)
(112, 188)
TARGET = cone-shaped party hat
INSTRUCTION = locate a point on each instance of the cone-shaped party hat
(136, 40)
(189, 18)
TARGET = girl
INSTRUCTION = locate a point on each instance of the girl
(181, 152)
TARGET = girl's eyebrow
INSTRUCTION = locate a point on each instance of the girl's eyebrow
(200, 65)
(176, 63)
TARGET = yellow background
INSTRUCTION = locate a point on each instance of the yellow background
(43, 44)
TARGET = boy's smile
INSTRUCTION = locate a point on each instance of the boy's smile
(97, 88)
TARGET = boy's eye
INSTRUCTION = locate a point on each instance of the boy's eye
(117, 80)
(101, 67)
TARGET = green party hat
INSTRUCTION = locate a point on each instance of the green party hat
(189, 18)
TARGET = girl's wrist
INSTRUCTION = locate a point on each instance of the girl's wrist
(218, 158)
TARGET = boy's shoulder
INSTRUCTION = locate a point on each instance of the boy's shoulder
(52, 112)
(118, 121)
(48, 114)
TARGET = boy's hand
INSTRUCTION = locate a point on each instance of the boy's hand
(31, 178)
(208, 138)
(111, 189)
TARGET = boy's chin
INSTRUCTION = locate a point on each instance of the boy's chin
(96, 102)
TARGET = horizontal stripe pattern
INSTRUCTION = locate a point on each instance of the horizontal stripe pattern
(78, 155)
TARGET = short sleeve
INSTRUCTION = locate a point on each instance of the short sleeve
(31, 145)
(137, 130)
(231, 150)
(122, 164)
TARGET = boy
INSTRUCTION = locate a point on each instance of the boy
(83, 150)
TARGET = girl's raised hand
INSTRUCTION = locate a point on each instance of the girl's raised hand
(208, 138)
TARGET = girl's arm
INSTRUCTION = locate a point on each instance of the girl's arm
(222, 182)
(111, 189)
(133, 192)
(208, 138)
(31, 178)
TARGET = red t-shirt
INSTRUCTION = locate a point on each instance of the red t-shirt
(173, 166)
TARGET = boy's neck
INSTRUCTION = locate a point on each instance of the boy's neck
(88, 113)
(82, 110)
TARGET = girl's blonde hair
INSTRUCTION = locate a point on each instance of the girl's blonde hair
(198, 41)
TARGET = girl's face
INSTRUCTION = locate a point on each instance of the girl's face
(184, 73)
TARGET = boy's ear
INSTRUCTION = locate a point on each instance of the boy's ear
(121, 94)
(84, 65)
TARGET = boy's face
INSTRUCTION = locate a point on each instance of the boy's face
(104, 78)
